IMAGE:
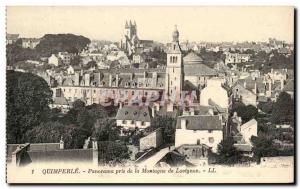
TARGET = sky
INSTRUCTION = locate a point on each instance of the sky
(214, 24)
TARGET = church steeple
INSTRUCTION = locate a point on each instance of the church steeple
(175, 34)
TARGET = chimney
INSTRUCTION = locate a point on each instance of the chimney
(76, 79)
(234, 114)
(153, 111)
(131, 76)
(192, 111)
(154, 79)
(98, 78)
(281, 84)
(255, 88)
(183, 124)
(117, 80)
(110, 80)
(95, 145)
(120, 105)
(87, 79)
(61, 143)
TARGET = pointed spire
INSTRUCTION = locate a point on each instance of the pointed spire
(130, 23)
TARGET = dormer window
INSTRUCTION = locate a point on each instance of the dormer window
(145, 114)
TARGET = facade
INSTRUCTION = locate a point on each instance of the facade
(54, 60)
(199, 130)
(65, 57)
(152, 140)
(30, 42)
(11, 38)
(214, 94)
(132, 117)
(248, 130)
(235, 58)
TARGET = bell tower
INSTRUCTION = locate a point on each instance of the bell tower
(174, 76)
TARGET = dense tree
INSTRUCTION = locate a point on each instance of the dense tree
(49, 44)
(28, 97)
(283, 109)
(54, 43)
(227, 153)
(245, 112)
(266, 107)
(263, 146)
(168, 126)
(74, 136)
(48, 132)
(112, 152)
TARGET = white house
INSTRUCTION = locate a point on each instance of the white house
(248, 130)
(70, 70)
(214, 94)
(199, 130)
(53, 59)
(131, 117)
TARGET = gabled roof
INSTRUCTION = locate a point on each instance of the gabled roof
(201, 122)
(198, 70)
(137, 113)
(249, 123)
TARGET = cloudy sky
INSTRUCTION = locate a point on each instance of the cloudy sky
(156, 23)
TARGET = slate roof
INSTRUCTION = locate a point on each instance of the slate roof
(12, 36)
(198, 70)
(249, 123)
(200, 122)
(192, 58)
(137, 113)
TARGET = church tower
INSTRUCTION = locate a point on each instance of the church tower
(174, 76)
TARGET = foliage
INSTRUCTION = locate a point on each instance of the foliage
(49, 132)
(54, 43)
(228, 154)
(49, 44)
(168, 125)
(263, 146)
(106, 130)
(27, 100)
(283, 111)
(112, 152)
(266, 107)
(245, 112)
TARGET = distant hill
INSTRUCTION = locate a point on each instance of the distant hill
(49, 44)
(54, 43)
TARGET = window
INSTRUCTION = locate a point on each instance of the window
(132, 92)
(211, 139)
(210, 131)
(198, 141)
(94, 91)
(143, 123)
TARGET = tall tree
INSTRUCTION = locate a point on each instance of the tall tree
(27, 101)
(283, 109)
